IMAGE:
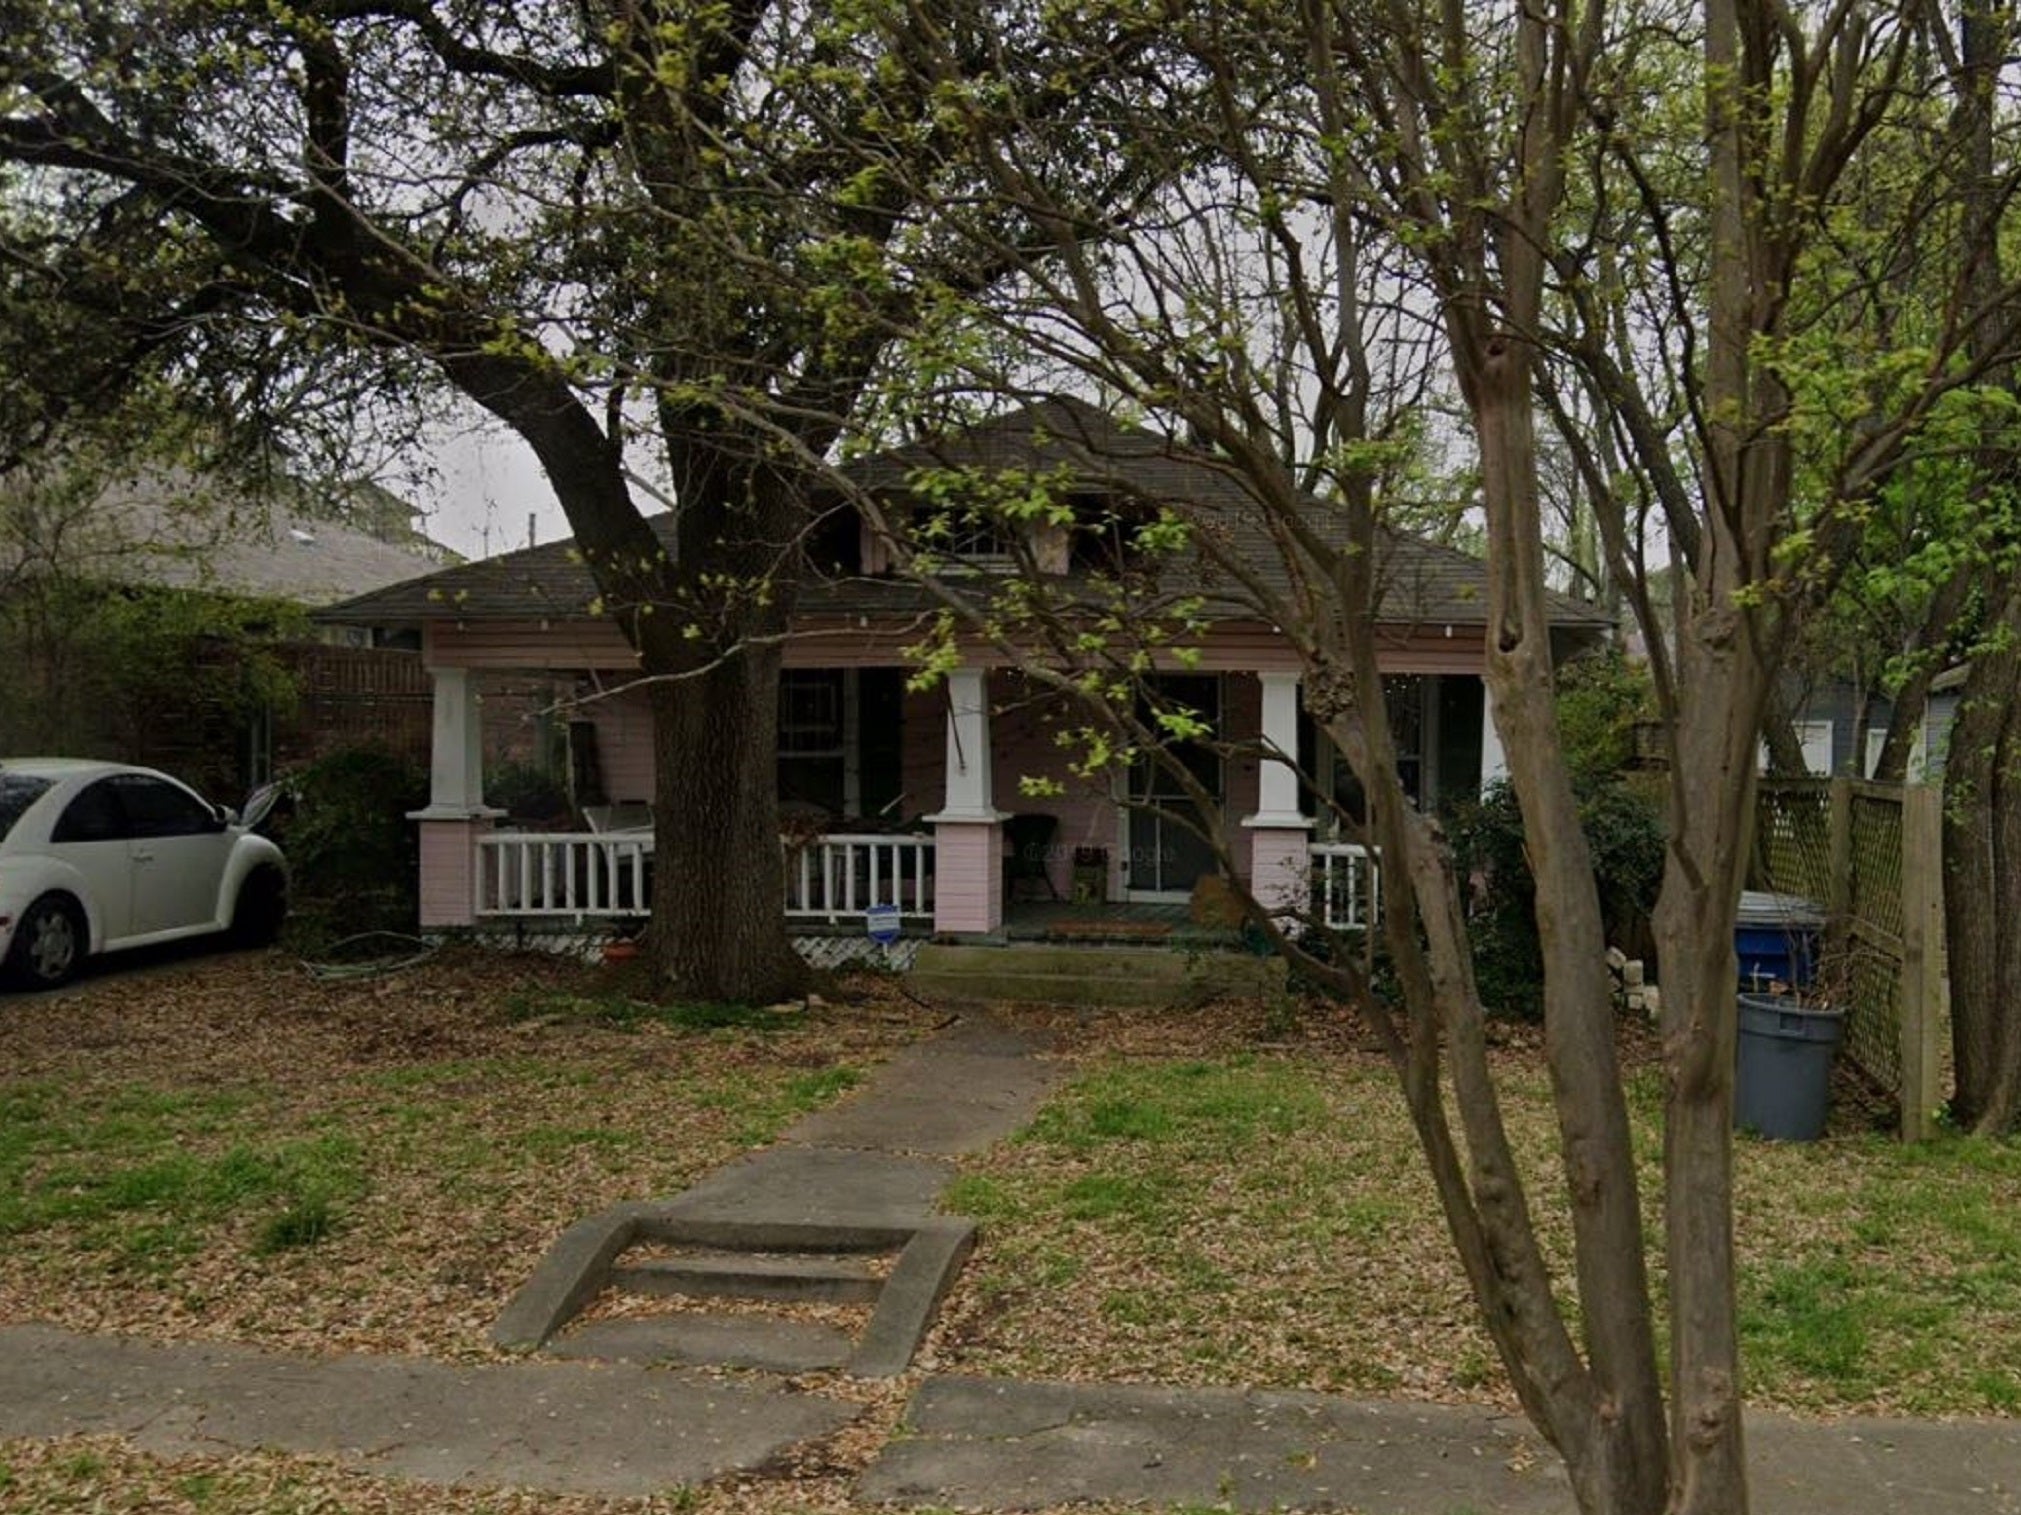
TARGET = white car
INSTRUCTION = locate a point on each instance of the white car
(95, 857)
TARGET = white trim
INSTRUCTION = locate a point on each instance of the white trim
(1277, 791)
(456, 747)
(1282, 821)
(970, 793)
(1494, 761)
(1351, 867)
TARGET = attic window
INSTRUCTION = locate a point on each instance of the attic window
(975, 545)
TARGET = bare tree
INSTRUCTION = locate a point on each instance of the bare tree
(1379, 177)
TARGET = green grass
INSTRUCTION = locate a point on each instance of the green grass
(1185, 1103)
(237, 1151)
(1875, 1270)
(1266, 1218)
(621, 1012)
(141, 1173)
(144, 1178)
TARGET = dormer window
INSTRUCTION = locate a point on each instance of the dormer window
(978, 546)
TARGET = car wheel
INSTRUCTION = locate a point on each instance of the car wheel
(262, 906)
(50, 943)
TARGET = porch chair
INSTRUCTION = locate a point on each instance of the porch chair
(1031, 849)
(625, 815)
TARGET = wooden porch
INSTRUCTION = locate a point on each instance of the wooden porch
(834, 880)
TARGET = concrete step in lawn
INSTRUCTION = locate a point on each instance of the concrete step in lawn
(725, 1341)
(1097, 977)
(794, 1255)
(825, 1279)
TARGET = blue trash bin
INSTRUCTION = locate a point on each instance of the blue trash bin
(1775, 936)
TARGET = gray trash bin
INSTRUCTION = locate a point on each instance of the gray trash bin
(1783, 1084)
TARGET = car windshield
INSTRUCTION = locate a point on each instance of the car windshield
(17, 792)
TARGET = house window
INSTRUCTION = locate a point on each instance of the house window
(842, 743)
(1403, 695)
(1414, 706)
(977, 542)
(814, 740)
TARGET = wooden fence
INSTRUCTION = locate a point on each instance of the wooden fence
(1871, 856)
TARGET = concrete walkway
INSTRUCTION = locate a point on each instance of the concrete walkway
(882, 1156)
(975, 1445)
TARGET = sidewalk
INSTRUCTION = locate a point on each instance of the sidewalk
(995, 1445)
(978, 1444)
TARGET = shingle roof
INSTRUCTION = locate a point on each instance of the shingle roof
(1420, 582)
(167, 526)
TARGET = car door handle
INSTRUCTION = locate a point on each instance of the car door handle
(143, 857)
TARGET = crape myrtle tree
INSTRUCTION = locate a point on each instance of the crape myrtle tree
(1391, 173)
(663, 243)
(1891, 378)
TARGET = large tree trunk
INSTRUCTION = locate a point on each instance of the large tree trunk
(1982, 887)
(1721, 692)
(1982, 768)
(718, 928)
(1694, 940)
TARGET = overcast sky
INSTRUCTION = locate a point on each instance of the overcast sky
(487, 482)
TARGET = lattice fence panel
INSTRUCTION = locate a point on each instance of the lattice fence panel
(1877, 861)
(1793, 839)
(1859, 886)
(858, 951)
(1871, 936)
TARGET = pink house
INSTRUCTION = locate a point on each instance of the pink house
(956, 805)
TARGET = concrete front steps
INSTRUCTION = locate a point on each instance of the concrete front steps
(1092, 977)
(902, 1272)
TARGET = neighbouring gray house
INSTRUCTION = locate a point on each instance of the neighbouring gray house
(1841, 728)
(163, 527)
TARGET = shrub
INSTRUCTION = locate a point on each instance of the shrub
(526, 792)
(1601, 698)
(353, 856)
(1624, 830)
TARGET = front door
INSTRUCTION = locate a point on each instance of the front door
(1163, 855)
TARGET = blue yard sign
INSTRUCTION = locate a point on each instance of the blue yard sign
(882, 923)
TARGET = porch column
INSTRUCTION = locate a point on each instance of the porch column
(1494, 762)
(456, 815)
(1280, 869)
(968, 828)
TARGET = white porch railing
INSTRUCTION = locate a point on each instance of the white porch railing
(577, 874)
(1348, 882)
(564, 873)
(833, 877)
